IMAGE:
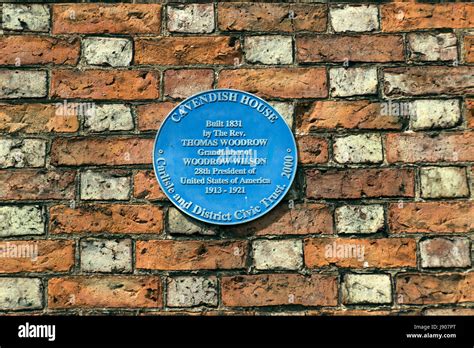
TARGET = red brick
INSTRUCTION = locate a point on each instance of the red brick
(431, 217)
(150, 116)
(106, 18)
(105, 292)
(188, 50)
(106, 218)
(190, 255)
(277, 82)
(105, 84)
(379, 253)
(435, 288)
(354, 48)
(36, 118)
(53, 256)
(146, 186)
(279, 289)
(350, 114)
(469, 49)
(306, 218)
(271, 17)
(37, 184)
(186, 82)
(470, 112)
(26, 50)
(420, 147)
(360, 183)
(106, 151)
(400, 16)
(312, 149)
(422, 80)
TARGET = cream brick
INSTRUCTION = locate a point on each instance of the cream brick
(278, 254)
(269, 49)
(366, 288)
(191, 18)
(352, 81)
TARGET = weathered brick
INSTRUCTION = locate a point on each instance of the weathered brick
(279, 289)
(352, 81)
(105, 151)
(150, 116)
(179, 223)
(425, 288)
(111, 117)
(21, 220)
(190, 255)
(433, 217)
(366, 288)
(428, 80)
(106, 218)
(31, 17)
(107, 51)
(188, 50)
(459, 311)
(235, 16)
(445, 252)
(105, 185)
(106, 18)
(20, 293)
(368, 311)
(435, 114)
(350, 114)
(471, 173)
(360, 253)
(349, 48)
(469, 48)
(192, 291)
(470, 113)
(23, 84)
(36, 256)
(360, 183)
(20, 153)
(278, 254)
(269, 49)
(146, 186)
(354, 18)
(364, 148)
(294, 219)
(286, 110)
(400, 16)
(103, 255)
(312, 149)
(432, 46)
(26, 50)
(437, 182)
(277, 82)
(105, 84)
(36, 118)
(37, 184)
(420, 147)
(186, 82)
(359, 218)
(105, 292)
(191, 18)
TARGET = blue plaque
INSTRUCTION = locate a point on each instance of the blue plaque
(225, 157)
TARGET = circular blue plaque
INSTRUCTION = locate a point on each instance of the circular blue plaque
(225, 157)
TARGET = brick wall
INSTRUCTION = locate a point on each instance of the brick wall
(380, 98)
